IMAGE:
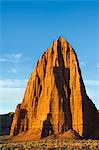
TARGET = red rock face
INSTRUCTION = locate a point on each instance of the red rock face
(55, 99)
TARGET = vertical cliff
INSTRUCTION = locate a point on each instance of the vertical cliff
(55, 99)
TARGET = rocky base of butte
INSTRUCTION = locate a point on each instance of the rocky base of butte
(55, 99)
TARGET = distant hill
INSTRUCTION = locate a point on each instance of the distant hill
(5, 123)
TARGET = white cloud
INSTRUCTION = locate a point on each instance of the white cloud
(83, 63)
(92, 89)
(91, 82)
(11, 93)
(12, 70)
(11, 58)
(12, 83)
(93, 95)
(9, 98)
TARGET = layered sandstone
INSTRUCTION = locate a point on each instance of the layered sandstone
(55, 99)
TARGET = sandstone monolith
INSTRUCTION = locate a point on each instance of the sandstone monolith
(55, 99)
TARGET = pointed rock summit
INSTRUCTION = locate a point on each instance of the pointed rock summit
(55, 99)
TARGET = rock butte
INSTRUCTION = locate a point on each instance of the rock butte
(55, 99)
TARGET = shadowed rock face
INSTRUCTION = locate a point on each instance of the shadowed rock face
(55, 99)
(47, 127)
(5, 123)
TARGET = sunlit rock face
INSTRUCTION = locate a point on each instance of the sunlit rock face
(55, 99)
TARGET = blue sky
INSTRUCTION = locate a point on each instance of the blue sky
(27, 28)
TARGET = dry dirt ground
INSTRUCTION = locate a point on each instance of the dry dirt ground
(49, 144)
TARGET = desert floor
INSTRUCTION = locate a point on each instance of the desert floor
(47, 144)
